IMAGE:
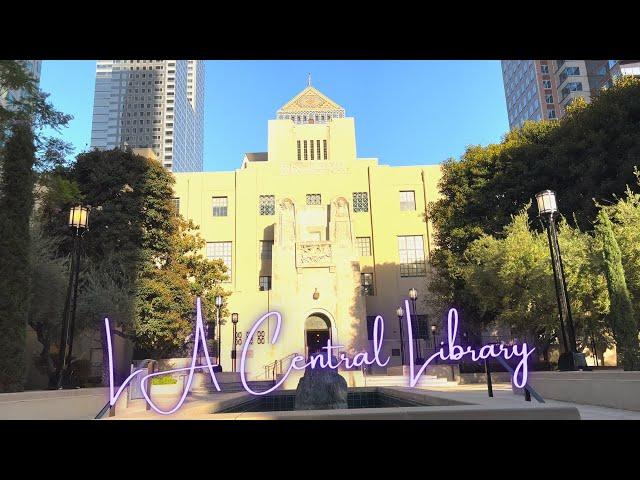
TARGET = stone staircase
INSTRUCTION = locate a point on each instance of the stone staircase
(402, 381)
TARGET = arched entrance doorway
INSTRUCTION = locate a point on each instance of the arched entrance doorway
(317, 331)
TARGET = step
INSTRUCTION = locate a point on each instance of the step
(256, 386)
(402, 381)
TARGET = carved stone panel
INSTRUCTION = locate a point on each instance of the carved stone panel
(316, 167)
(313, 254)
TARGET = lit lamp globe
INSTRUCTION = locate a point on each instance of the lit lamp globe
(219, 301)
(546, 203)
(433, 329)
(400, 312)
(413, 294)
(234, 318)
(79, 217)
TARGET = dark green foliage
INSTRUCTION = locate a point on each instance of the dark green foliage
(16, 203)
(621, 315)
(49, 278)
(590, 154)
(21, 154)
(142, 263)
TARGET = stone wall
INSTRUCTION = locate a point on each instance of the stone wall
(609, 388)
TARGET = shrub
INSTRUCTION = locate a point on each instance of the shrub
(163, 380)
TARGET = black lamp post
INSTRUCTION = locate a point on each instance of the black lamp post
(219, 302)
(434, 328)
(234, 320)
(79, 224)
(400, 313)
(570, 359)
(413, 295)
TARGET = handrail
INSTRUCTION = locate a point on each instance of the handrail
(273, 369)
(526, 387)
(103, 412)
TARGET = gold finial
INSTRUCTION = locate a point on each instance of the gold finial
(308, 79)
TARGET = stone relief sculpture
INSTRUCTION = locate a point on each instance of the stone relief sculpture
(287, 223)
(312, 254)
(341, 230)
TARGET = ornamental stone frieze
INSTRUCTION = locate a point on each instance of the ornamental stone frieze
(318, 167)
(314, 254)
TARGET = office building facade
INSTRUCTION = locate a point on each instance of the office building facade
(530, 90)
(156, 104)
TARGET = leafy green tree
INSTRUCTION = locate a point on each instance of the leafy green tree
(511, 281)
(22, 153)
(166, 297)
(49, 277)
(16, 203)
(622, 317)
(143, 262)
(589, 154)
(625, 219)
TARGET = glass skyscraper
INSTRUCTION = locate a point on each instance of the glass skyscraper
(155, 104)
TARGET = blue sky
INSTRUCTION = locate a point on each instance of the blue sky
(406, 112)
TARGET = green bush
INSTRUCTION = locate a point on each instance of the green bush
(163, 380)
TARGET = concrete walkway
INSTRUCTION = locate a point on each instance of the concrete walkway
(504, 396)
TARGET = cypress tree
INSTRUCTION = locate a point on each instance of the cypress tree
(16, 204)
(621, 314)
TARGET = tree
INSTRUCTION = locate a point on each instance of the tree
(625, 220)
(511, 281)
(49, 277)
(166, 296)
(621, 317)
(16, 203)
(143, 262)
(589, 154)
(19, 119)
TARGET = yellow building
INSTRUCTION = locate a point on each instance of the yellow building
(310, 230)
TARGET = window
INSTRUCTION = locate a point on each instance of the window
(318, 148)
(419, 326)
(266, 249)
(546, 83)
(299, 156)
(360, 202)
(571, 87)
(551, 113)
(176, 204)
(371, 320)
(549, 98)
(314, 199)
(219, 205)
(363, 244)
(312, 150)
(305, 151)
(544, 69)
(411, 249)
(408, 201)
(264, 283)
(221, 251)
(268, 204)
(366, 283)
(568, 72)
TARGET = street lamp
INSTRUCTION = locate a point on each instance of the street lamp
(400, 313)
(548, 210)
(79, 224)
(234, 320)
(434, 328)
(219, 302)
(413, 295)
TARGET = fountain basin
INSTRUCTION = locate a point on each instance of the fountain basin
(382, 403)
